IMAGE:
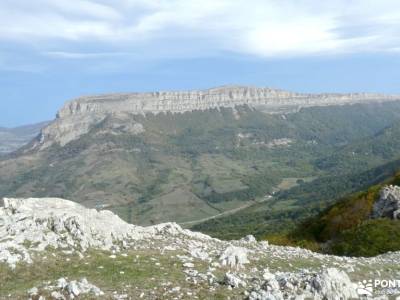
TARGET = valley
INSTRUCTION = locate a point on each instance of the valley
(199, 150)
(13, 138)
(213, 165)
(238, 200)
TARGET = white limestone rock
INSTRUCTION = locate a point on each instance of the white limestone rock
(28, 225)
(62, 289)
(34, 224)
(11, 253)
(248, 239)
(333, 284)
(62, 283)
(262, 295)
(79, 115)
(234, 257)
(188, 265)
(199, 253)
(270, 284)
(33, 291)
(233, 281)
(83, 287)
(61, 224)
(388, 204)
(57, 296)
(328, 284)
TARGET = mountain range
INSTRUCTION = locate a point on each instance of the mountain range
(228, 161)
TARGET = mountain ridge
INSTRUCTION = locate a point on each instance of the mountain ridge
(189, 166)
(222, 96)
(77, 116)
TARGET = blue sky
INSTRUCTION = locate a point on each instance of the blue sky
(55, 50)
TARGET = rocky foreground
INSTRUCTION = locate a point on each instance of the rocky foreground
(56, 249)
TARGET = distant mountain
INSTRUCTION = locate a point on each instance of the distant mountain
(191, 156)
(12, 139)
(78, 116)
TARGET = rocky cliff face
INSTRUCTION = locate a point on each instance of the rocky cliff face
(77, 116)
(230, 96)
(388, 204)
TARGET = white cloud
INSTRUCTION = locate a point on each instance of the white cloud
(266, 28)
(85, 55)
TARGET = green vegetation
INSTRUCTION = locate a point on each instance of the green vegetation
(145, 273)
(280, 215)
(205, 163)
(370, 238)
(345, 227)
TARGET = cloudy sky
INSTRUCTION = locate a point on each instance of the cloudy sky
(54, 50)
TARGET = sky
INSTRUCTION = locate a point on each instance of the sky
(54, 50)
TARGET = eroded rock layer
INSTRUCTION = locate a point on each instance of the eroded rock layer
(77, 116)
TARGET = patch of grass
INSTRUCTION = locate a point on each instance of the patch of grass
(139, 272)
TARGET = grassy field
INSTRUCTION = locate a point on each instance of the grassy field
(137, 273)
(148, 274)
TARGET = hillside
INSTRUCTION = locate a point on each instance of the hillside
(188, 156)
(354, 225)
(61, 250)
(12, 139)
(349, 169)
(288, 208)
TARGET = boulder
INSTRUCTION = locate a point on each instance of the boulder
(234, 257)
(248, 239)
(233, 280)
(33, 291)
(333, 284)
(64, 289)
(388, 204)
(330, 284)
(199, 253)
(57, 296)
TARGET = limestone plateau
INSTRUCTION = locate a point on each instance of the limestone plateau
(77, 116)
(230, 96)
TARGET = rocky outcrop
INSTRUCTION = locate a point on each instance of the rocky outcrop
(228, 96)
(63, 289)
(234, 257)
(328, 284)
(388, 204)
(244, 269)
(79, 115)
(233, 281)
(35, 224)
